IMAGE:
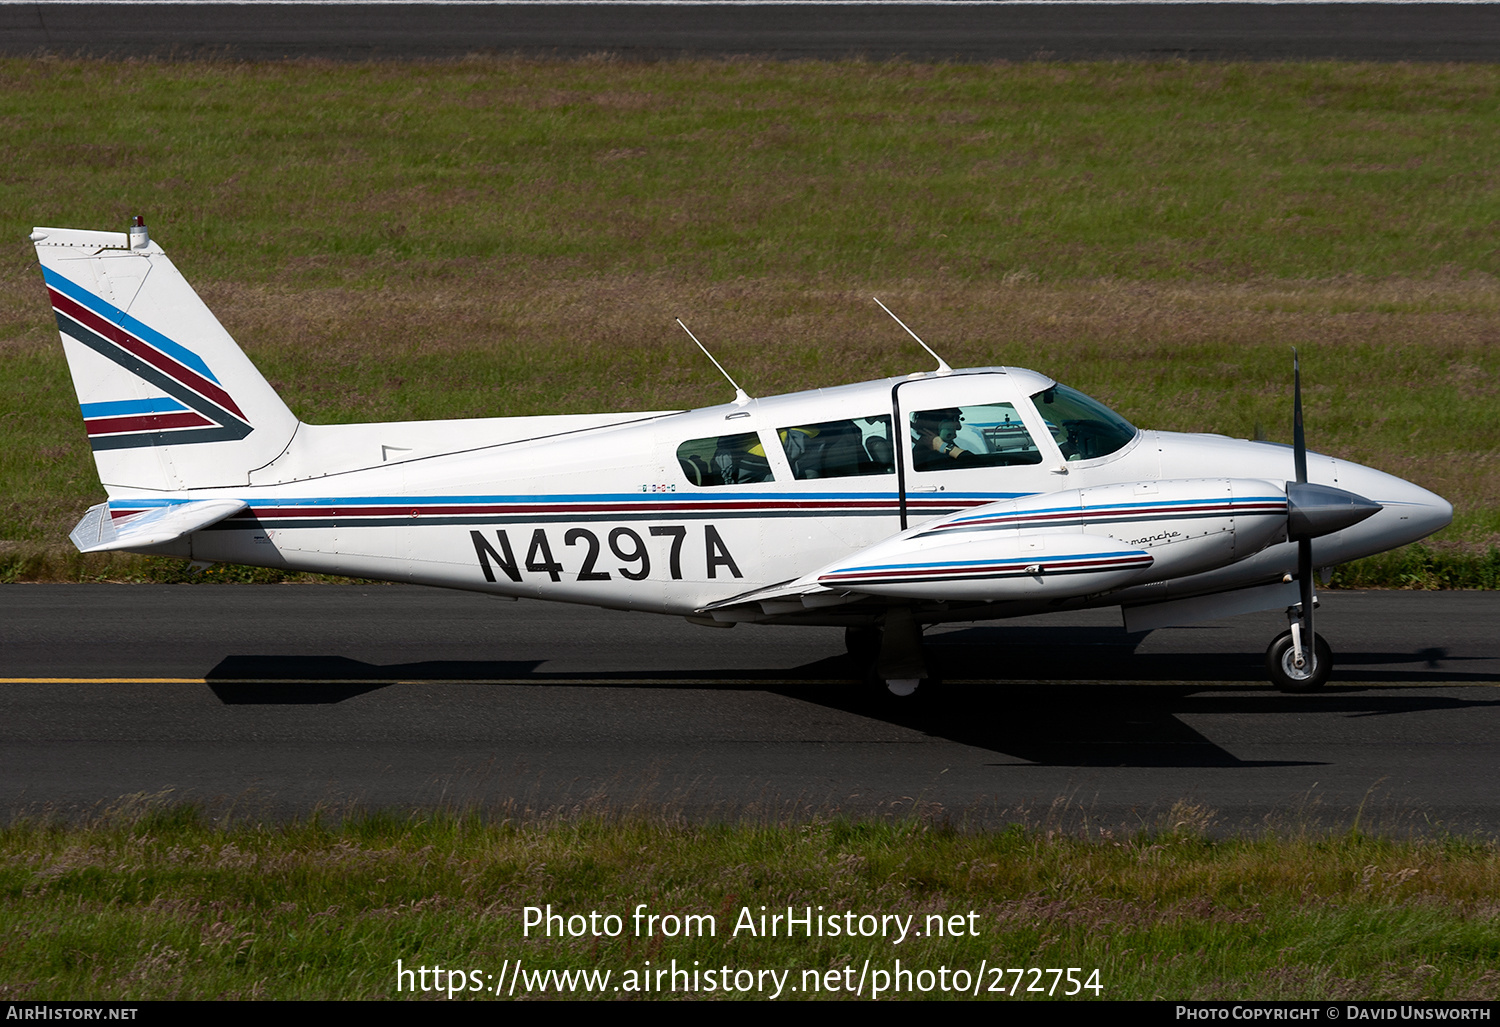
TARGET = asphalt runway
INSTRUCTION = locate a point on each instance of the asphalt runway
(919, 31)
(273, 700)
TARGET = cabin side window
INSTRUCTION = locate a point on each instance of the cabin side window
(839, 449)
(725, 460)
(984, 435)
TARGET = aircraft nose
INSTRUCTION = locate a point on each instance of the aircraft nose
(1424, 511)
(1409, 512)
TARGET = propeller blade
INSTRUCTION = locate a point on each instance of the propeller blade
(1299, 442)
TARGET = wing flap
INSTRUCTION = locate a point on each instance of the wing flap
(793, 596)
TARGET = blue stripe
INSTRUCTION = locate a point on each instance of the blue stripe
(642, 498)
(108, 310)
(1006, 561)
(126, 407)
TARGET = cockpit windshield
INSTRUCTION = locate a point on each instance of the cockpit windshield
(1083, 427)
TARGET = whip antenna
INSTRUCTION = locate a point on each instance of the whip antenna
(740, 398)
(942, 367)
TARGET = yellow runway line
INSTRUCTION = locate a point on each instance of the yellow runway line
(391, 681)
(103, 681)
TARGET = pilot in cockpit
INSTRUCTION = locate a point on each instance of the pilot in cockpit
(933, 445)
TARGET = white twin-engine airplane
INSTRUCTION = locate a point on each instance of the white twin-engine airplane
(881, 507)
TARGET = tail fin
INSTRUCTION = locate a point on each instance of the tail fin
(169, 400)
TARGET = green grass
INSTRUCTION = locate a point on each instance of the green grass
(1422, 567)
(515, 236)
(721, 170)
(157, 901)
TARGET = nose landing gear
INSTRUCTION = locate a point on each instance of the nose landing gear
(1286, 675)
(1298, 660)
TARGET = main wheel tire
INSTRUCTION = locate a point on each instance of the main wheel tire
(1285, 674)
(863, 643)
(903, 688)
(908, 695)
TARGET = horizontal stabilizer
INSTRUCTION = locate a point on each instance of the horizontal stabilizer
(99, 532)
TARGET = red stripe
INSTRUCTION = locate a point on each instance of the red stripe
(1144, 513)
(145, 422)
(151, 355)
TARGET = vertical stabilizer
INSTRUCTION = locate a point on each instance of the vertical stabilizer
(169, 400)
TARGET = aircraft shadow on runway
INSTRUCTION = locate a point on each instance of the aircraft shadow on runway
(1020, 700)
(320, 680)
(999, 653)
(1116, 725)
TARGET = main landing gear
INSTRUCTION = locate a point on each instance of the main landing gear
(891, 653)
(1294, 665)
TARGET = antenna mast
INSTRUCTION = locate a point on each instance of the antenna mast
(740, 398)
(942, 367)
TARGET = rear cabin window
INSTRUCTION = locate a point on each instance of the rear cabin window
(725, 460)
(839, 449)
(985, 435)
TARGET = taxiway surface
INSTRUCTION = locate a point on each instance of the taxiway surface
(916, 31)
(276, 699)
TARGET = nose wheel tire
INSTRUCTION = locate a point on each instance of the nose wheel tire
(1283, 671)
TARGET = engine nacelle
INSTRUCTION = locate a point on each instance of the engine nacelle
(1074, 542)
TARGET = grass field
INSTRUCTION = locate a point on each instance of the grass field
(156, 901)
(515, 236)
